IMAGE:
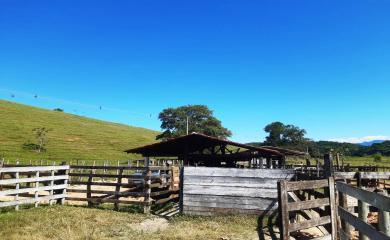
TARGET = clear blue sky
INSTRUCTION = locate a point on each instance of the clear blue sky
(321, 65)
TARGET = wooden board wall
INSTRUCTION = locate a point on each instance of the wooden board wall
(215, 191)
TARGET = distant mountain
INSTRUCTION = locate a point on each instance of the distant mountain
(368, 144)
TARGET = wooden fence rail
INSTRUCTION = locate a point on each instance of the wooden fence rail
(135, 185)
(365, 198)
(50, 184)
(289, 190)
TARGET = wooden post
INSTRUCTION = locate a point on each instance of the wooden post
(338, 161)
(333, 210)
(66, 185)
(318, 167)
(328, 165)
(36, 195)
(363, 212)
(269, 162)
(384, 218)
(17, 188)
(343, 201)
(118, 189)
(147, 187)
(89, 194)
(51, 188)
(283, 213)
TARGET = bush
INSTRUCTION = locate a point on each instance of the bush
(377, 157)
(32, 147)
(58, 109)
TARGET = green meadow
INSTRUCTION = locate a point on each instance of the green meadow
(70, 138)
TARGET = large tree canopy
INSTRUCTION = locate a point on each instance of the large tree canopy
(200, 120)
(285, 135)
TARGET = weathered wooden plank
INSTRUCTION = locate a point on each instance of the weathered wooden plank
(260, 206)
(89, 167)
(104, 200)
(326, 237)
(309, 214)
(27, 190)
(34, 179)
(303, 185)
(228, 199)
(374, 175)
(229, 191)
(345, 175)
(367, 229)
(374, 199)
(303, 205)
(309, 223)
(239, 172)
(120, 194)
(247, 182)
(31, 200)
(33, 169)
(191, 210)
(133, 176)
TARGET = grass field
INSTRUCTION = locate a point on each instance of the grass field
(353, 161)
(71, 223)
(71, 137)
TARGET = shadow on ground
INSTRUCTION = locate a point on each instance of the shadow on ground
(267, 224)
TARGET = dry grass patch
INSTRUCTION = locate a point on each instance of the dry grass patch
(66, 222)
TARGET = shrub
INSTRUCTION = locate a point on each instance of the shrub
(377, 157)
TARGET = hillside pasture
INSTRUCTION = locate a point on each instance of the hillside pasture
(71, 137)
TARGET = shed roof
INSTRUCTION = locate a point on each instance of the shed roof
(196, 142)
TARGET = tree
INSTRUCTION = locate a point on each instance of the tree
(377, 157)
(41, 137)
(200, 120)
(283, 135)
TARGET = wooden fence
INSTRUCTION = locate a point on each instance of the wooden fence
(32, 185)
(288, 190)
(214, 191)
(365, 198)
(141, 186)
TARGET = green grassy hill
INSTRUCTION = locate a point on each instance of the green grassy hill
(71, 137)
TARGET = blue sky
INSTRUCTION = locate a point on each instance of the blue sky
(321, 65)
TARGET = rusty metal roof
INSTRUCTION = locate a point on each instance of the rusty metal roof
(195, 142)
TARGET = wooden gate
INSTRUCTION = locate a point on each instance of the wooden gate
(319, 212)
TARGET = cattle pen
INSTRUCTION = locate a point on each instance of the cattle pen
(207, 176)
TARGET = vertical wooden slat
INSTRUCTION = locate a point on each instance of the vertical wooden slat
(64, 190)
(51, 185)
(147, 187)
(118, 188)
(36, 194)
(332, 201)
(17, 188)
(347, 228)
(89, 194)
(384, 218)
(363, 213)
(283, 212)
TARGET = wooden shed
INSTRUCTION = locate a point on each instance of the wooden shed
(198, 149)
(224, 177)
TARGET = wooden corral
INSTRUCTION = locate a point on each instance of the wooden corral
(143, 186)
(214, 191)
(305, 206)
(302, 199)
(32, 185)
